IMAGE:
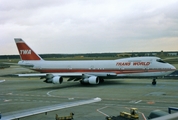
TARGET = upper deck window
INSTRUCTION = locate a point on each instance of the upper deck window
(161, 61)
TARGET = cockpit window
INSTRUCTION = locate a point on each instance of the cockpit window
(161, 61)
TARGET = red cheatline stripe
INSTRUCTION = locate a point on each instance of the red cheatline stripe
(87, 70)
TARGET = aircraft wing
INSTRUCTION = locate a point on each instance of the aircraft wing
(173, 116)
(103, 74)
(30, 112)
(44, 74)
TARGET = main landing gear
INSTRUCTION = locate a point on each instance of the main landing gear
(101, 80)
(154, 81)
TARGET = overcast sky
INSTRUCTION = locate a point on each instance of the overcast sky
(89, 26)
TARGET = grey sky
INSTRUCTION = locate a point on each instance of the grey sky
(89, 26)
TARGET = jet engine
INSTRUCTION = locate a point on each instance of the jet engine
(54, 80)
(57, 79)
(91, 80)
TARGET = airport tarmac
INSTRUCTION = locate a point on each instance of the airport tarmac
(117, 95)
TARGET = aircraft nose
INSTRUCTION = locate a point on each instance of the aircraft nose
(172, 67)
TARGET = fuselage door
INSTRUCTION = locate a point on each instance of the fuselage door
(147, 65)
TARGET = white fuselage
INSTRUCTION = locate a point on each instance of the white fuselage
(126, 67)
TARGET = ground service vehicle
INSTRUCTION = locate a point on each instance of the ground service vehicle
(70, 117)
(133, 115)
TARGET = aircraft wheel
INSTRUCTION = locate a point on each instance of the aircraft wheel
(83, 83)
(101, 80)
(154, 82)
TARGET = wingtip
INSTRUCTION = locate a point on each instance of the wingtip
(97, 99)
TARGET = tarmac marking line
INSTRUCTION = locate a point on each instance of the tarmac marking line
(7, 100)
(133, 101)
(48, 93)
(2, 81)
(101, 111)
(138, 101)
(143, 115)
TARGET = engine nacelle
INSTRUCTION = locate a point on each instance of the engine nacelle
(91, 80)
(55, 79)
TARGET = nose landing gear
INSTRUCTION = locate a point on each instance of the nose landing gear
(154, 81)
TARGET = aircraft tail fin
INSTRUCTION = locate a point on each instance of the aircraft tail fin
(26, 53)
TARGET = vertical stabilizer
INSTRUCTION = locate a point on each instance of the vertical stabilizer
(26, 53)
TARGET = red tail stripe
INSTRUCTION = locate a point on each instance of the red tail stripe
(26, 53)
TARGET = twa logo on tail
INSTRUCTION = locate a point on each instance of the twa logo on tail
(25, 52)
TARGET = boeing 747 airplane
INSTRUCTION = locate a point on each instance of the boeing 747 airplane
(91, 71)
